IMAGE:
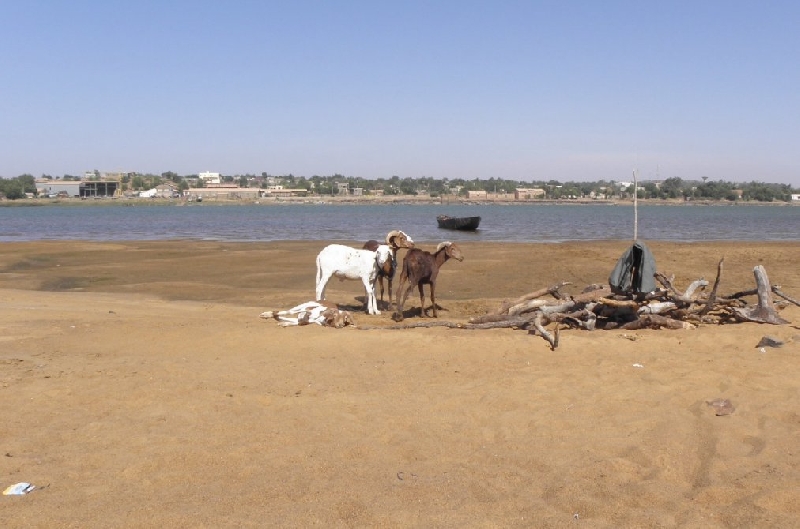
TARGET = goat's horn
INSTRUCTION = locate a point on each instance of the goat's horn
(443, 244)
(391, 235)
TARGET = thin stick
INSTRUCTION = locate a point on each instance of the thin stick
(635, 208)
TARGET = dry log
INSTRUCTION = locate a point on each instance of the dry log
(619, 304)
(488, 318)
(522, 323)
(527, 306)
(552, 309)
(742, 294)
(685, 297)
(689, 294)
(553, 290)
(416, 325)
(777, 290)
(654, 321)
(665, 281)
(551, 339)
(588, 296)
(657, 308)
(506, 322)
(764, 312)
(712, 297)
(584, 319)
(666, 309)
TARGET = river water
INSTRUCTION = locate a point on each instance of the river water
(506, 223)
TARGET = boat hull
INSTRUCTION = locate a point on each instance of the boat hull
(458, 223)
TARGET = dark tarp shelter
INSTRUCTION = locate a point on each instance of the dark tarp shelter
(634, 271)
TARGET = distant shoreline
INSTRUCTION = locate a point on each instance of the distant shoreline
(367, 200)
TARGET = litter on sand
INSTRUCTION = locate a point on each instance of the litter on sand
(18, 489)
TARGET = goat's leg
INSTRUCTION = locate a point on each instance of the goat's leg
(372, 305)
(322, 283)
(401, 299)
(433, 300)
(389, 281)
(421, 300)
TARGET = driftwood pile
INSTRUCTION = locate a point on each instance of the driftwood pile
(597, 307)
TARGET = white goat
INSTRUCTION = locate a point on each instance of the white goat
(321, 313)
(349, 263)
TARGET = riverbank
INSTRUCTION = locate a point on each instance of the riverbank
(368, 200)
(140, 387)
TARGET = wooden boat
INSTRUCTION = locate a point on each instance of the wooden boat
(458, 223)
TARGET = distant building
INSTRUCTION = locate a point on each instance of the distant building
(795, 198)
(280, 191)
(71, 188)
(209, 178)
(528, 193)
(477, 194)
(52, 188)
(343, 188)
(166, 190)
(224, 191)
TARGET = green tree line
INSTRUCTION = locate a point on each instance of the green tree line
(671, 188)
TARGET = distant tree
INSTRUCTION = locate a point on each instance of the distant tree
(28, 183)
(672, 187)
(183, 185)
(716, 190)
(650, 190)
(12, 188)
(243, 181)
(408, 186)
(170, 175)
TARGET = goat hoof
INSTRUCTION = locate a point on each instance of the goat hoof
(397, 317)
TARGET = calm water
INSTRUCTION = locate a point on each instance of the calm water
(521, 223)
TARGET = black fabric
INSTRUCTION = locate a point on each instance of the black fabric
(634, 271)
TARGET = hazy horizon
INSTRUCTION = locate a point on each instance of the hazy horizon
(567, 91)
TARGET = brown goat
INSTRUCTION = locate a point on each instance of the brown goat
(420, 268)
(395, 239)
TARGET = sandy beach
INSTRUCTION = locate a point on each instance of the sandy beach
(140, 388)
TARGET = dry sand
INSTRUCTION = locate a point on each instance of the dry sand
(139, 385)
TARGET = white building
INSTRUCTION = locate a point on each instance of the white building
(209, 178)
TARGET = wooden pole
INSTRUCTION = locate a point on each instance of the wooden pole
(635, 208)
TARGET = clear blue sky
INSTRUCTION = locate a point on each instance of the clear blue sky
(526, 90)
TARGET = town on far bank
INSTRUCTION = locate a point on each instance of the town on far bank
(213, 186)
